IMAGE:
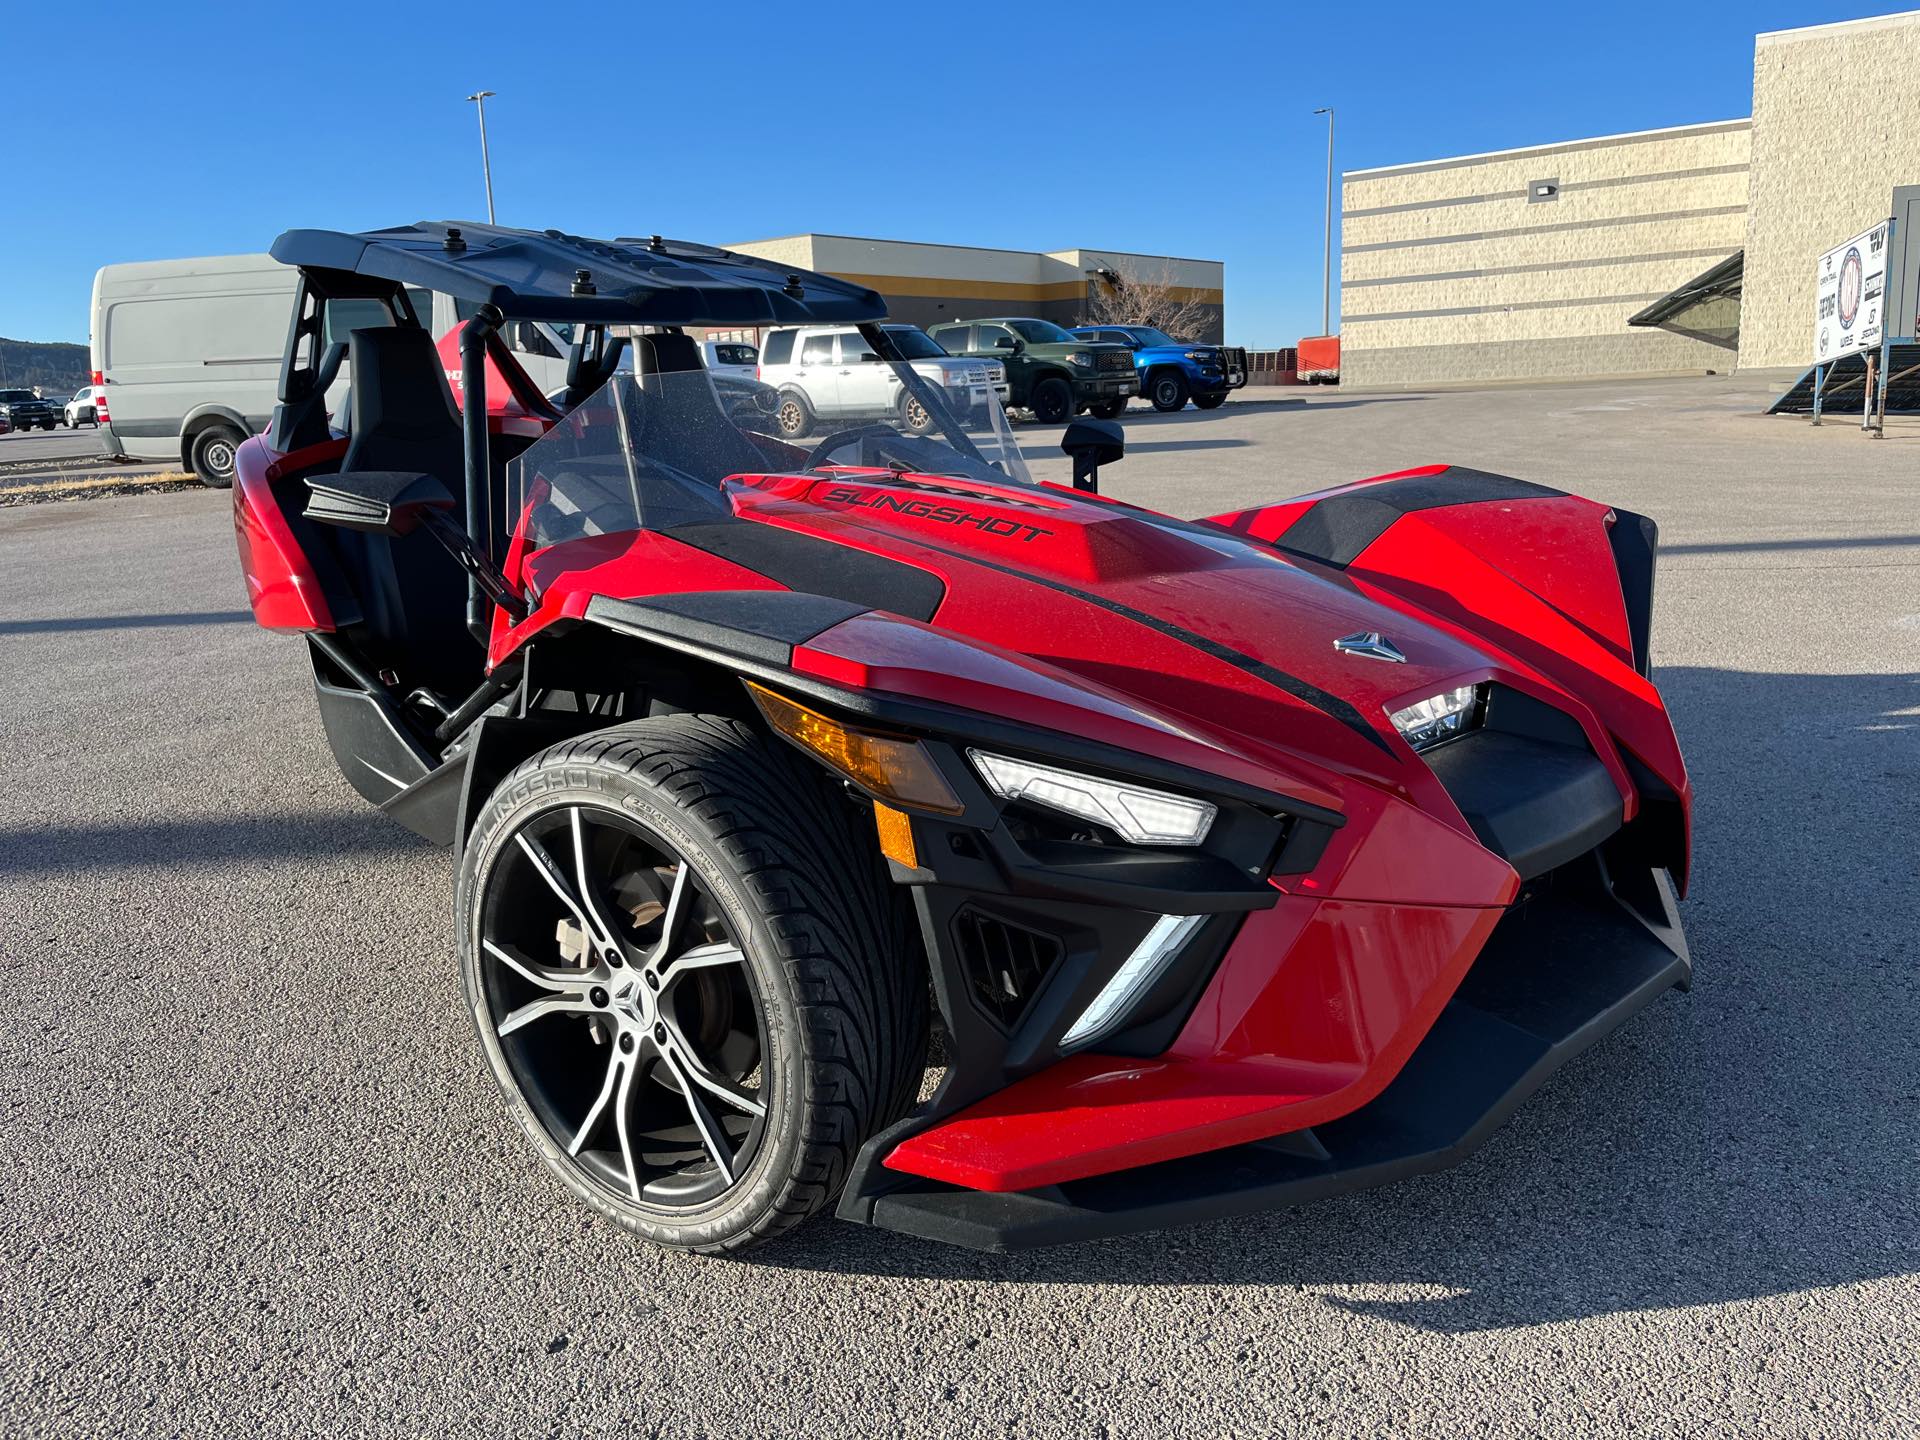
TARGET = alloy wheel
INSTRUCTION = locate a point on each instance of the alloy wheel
(627, 1013)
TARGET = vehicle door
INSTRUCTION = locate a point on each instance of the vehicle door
(818, 373)
(866, 386)
(999, 342)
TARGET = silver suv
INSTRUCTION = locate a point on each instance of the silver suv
(831, 373)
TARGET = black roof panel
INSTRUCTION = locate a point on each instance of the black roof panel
(529, 275)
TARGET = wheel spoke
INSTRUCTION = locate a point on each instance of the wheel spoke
(601, 929)
(561, 1004)
(669, 922)
(709, 1128)
(545, 979)
(620, 1109)
(691, 1065)
(702, 957)
(616, 1064)
(556, 881)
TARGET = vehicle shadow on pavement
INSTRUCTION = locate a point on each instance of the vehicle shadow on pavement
(199, 841)
(1755, 1137)
(61, 624)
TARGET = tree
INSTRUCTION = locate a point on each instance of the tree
(1127, 293)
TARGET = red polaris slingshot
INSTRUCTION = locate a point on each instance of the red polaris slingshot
(860, 822)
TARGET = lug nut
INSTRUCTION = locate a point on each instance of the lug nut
(626, 1043)
(660, 1033)
(598, 996)
(614, 962)
(653, 981)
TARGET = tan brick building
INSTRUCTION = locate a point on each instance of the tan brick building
(1530, 263)
(926, 284)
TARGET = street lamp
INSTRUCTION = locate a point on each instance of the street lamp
(1326, 264)
(479, 97)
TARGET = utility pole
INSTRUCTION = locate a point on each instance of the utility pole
(1326, 264)
(479, 97)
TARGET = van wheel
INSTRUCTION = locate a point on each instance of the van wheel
(794, 417)
(213, 450)
(1168, 391)
(1052, 401)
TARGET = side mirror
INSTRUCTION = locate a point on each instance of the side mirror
(1093, 443)
(383, 502)
(1007, 342)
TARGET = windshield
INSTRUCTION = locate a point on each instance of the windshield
(8, 396)
(1041, 332)
(649, 452)
(914, 344)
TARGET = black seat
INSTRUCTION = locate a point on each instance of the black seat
(412, 593)
(685, 424)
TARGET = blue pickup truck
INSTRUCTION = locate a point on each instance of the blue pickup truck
(1173, 372)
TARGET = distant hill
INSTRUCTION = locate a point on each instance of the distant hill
(53, 364)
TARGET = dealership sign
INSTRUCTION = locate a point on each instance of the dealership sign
(1850, 303)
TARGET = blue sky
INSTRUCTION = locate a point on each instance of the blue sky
(1168, 129)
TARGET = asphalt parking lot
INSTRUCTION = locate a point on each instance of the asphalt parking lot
(20, 446)
(259, 1182)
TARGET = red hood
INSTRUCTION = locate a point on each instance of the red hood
(1188, 620)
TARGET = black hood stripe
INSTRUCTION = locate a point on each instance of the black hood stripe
(1293, 685)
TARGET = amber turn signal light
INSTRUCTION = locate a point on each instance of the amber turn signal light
(895, 828)
(893, 767)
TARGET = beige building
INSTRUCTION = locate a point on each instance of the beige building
(925, 284)
(1660, 251)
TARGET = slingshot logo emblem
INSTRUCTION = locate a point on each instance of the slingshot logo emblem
(1370, 645)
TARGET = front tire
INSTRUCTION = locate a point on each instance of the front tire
(690, 976)
(1168, 391)
(213, 452)
(915, 418)
(1053, 401)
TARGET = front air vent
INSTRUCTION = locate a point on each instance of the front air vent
(1005, 965)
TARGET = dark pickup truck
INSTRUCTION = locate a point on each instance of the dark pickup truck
(23, 410)
(1050, 371)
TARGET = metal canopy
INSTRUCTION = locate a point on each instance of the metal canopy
(533, 275)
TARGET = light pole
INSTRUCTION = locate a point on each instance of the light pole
(479, 97)
(1326, 264)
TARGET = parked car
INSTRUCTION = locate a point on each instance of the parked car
(192, 351)
(730, 357)
(80, 410)
(1050, 371)
(6, 426)
(830, 372)
(25, 411)
(1173, 372)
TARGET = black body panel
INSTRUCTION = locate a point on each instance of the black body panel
(1336, 530)
(822, 567)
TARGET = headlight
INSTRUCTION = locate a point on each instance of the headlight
(1081, 358)
(1201, 355)
(1438, 717)
(1146, 817)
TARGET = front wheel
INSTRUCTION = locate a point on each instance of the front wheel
(1109, 409)
(915, 417)
(1053, 401)
(213, 452)
(1210, 402)
(690, 976)
(1168, 391)
(793, 416)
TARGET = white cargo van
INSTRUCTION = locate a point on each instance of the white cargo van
(186, 354)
